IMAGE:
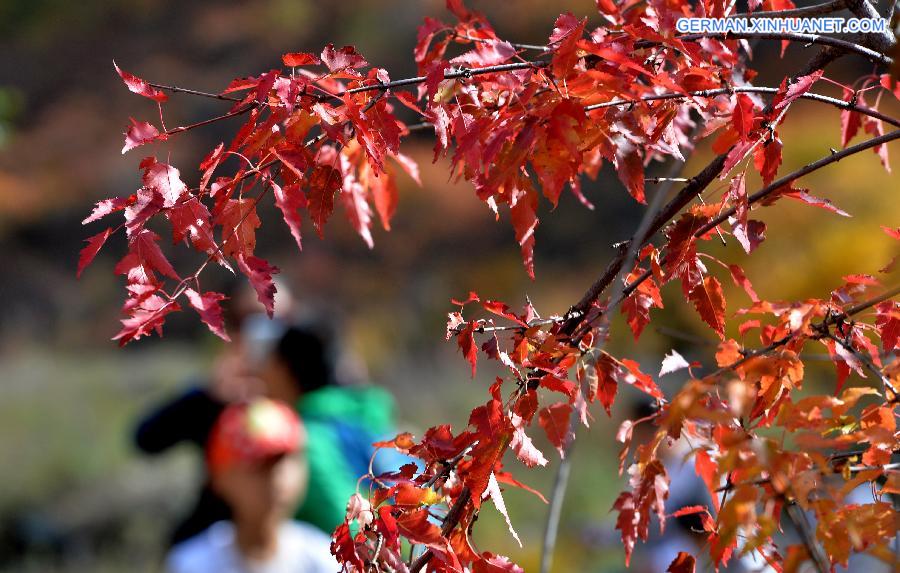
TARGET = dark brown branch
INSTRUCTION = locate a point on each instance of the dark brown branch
(883, 41)
(885, 381)
(451, 75)
(561, 481)
(801, 524)
(176, 89)
(240, 111)
(450, 522)
(687, 193)
(750, 89)
(821, 327)
(805, 170)
(844, 45)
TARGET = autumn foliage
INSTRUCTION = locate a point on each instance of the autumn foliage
(524, 124)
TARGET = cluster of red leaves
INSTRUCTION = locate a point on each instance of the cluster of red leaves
(326, 133)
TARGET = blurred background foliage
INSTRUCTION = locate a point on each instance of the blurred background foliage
(75, 495)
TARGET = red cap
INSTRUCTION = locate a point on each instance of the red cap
(251, 433)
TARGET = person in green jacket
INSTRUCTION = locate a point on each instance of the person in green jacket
(342, 421)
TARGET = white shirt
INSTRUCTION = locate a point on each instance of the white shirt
(301, 549)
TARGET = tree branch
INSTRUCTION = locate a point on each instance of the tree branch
(801, 524)
(450, 521)
(176, 89)
(805, 170)
(750, 89)
(561, 481)
(844, 45)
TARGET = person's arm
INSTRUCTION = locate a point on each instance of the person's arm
(189, 417)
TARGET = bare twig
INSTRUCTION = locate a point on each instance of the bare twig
(844, 45)
(885, 381)
(561, 481)
(176, 89)
(804, 529)
(851, 106)
(450, 521)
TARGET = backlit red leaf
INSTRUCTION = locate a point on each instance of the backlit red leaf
(207, 306)
(139, 86)
(260, 274)
(87, 254)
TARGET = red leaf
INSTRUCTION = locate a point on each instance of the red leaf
(502, 309)
(710, 303)
(144, 256)
(566, 32)
(207, 306)
(466, 341)
(209, 164)
(887, 322)
(145, 317)
(741, 280)
(637, 306)
(555, 421)
(630, 169)
(683, 563)
(191, 219)
(742, 116)
(260, 274)
(139, 133)
(606, 384)
(294, 59)
(850, 121)
(356, 207)
(107, 206)
(323, 182)
(289, 200)
(488, 52)
(344, 548)
(525, 449)
(802, 195)
(87, 254)
(767, 159)
(493, 490)
(706, 469)
(384, 193)
(139, 86)
(165, 179)
(239, 222)
(737, 193)
(626, 522)
(525, 221)
(893, 233)
(690, 510)
(490, 563)
(876, 127)
(797, 89)
(346, 57)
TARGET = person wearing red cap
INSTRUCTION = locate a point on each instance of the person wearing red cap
(255, 457)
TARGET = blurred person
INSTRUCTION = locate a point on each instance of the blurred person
(190, 415)
(256, 460)
(342, 419)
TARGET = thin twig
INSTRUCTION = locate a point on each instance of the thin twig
(176, 89)
(851, 106)
(885, 381)
(561, 481)
(838, 43)
(450, 521)
(804, 529)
